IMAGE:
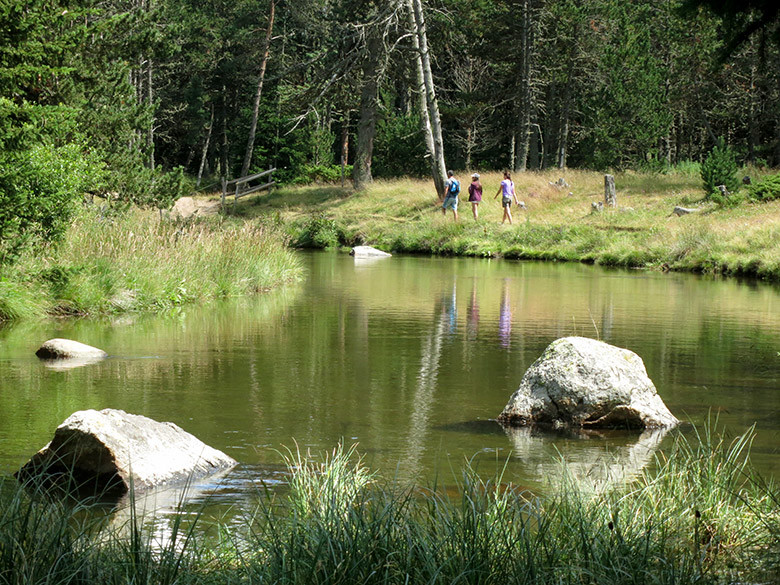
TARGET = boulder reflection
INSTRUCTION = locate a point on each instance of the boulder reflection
(613, 457)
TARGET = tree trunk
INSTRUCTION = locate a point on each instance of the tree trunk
(610, 196)
(150, 100)
(250, 144)
(206, 147)
(428, 90)
(344, 146)
(224, 151)
(563, 137)
(524, 120)
(366, 129)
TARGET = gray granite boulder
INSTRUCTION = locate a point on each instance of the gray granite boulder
(68, 349)
(114, 450)
(368, 252)
(580, 382)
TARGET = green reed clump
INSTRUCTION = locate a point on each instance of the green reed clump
(699, 515)
(119, 262)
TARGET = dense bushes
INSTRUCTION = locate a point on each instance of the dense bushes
(39, 189)
(767, 189)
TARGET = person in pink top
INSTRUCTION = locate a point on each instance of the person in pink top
(475, 194)
(507, 191)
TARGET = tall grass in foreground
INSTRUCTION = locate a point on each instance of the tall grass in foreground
(137, 261)
(700, 516)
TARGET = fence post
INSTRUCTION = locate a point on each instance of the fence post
(610, 197)
(224, 192)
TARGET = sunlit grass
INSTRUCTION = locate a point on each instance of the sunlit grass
(404, 215)
(131, 261)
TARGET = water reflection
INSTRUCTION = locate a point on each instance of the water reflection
(63, 364)
(505, 316)
(596, 460)
(445, 321)
(391, 354)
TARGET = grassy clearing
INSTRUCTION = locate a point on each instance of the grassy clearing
(114, 263)
(404, 216)
(700, 516)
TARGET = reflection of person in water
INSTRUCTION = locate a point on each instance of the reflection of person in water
(451, 309)
(504, 317)
(472, 316)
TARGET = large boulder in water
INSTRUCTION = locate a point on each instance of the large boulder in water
(113, 450)
(583, 382)
(57, 348)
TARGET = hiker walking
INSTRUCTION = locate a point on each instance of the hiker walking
(475, 194)
(507, 192)
(451, 195)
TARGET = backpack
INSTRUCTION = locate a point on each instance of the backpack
(454, 188)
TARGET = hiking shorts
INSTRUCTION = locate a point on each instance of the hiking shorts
(450, 203)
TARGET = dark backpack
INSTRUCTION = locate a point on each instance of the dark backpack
(454, 188)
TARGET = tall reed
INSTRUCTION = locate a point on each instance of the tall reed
(118, 262)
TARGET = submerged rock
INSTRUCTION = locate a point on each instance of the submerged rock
(582, 382)
(367, 252)
(112, 450)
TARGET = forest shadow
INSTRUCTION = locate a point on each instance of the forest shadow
(317, 197)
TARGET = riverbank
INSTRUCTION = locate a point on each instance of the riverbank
(557, 224)
(117, 262)
(699, 516)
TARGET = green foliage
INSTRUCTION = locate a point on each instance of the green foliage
(720, 168)
(767, 189)
(152, 188)
(308, 174)
(320, 231)
(39, 189)
(399, 148)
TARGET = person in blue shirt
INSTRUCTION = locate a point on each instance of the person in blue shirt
(451, 195)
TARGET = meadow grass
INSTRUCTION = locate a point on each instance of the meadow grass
(404, 216)
(700, 515)
(134, 260)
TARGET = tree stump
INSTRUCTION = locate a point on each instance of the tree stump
(610, 197)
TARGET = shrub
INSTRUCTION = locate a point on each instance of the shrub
(151, 187)
(319, 232)
(321, 174)
(720, 168)
(39, 189)
(767, 189)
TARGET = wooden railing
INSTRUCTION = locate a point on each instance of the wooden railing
(243, 186)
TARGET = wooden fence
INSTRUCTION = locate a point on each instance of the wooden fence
(243, 185)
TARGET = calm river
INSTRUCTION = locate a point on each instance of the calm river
(410, 358)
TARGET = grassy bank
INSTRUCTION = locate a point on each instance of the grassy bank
(404, 216)
(699, 516)
(132, 261)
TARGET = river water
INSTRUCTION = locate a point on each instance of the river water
(410, 358)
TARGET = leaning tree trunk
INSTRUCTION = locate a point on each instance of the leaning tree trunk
(250, 143)
(433, 133)
(366, 128)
